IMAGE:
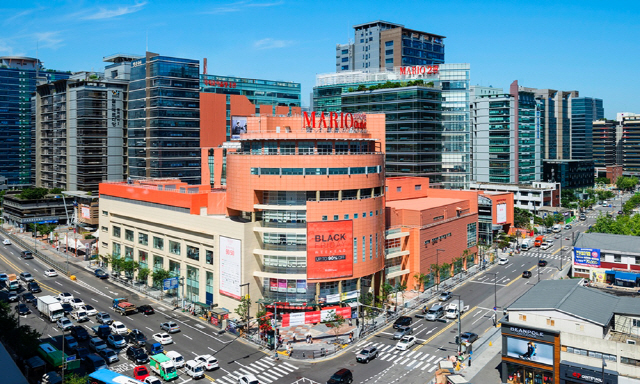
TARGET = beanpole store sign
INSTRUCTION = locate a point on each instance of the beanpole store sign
(329, 249)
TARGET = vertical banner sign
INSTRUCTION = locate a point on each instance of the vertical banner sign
(501, 212)
(230, 258)
(329, 249)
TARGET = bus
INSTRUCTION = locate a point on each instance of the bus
(107, 376)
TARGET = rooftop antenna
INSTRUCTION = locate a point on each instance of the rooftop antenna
(147, 43)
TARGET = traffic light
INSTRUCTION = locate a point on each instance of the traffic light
(457, 340)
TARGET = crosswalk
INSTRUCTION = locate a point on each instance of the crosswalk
(541, 255)
(266, 370)
(409, 358)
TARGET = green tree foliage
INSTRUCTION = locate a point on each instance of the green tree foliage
(129, 266)
(74, 378)
(631, 204)
(548, 221)
(603, 180)
(620, 225)
(243, 308)
(521, 217)
(55, 191)
(143, 274)
(23, 340)
(626, 183)
(32, 193)
(334, 321)
(159, 276)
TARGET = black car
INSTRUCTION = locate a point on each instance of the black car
(146, 309)
(136, 337)
(402, 321)
(67, 308)
(526, 274)
(80, 332)
(469, 337)
(81, 353)
(343, 376)
(28, 297)
(33, 287)
(542, 263)
(137, 355)
(23, 309)
(26, 254)
(101, 274)
(620, 212)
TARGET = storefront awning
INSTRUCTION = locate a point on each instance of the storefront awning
(627, 276)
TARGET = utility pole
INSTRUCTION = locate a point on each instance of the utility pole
(459, 323)
(438, 269)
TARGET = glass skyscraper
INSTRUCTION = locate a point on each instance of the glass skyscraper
(18, 79)
(164, 118)
(584, 111)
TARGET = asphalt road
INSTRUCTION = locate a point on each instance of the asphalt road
(435, 340)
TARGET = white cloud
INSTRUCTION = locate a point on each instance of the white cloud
(269, 43)
(21, 14)
(48, 39)
(104, 13)
(242, 5)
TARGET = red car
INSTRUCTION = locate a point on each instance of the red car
(140, 372)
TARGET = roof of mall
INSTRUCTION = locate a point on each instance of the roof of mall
(422, 203)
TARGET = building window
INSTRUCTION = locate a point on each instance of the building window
(128, 234)
(617, 258)
(637, 259)
(355, 215)
(376, 245)
(418, 187)
(116, 250)
(636, 322)
(364, 249)
(364, 214)
(105, 213)
(116, 231)
(105, 229)
(346, 217)
(193, 253)
(143, 238)
(551, 322)
(158, 263)
(209, 257)
(158, 243)
(104, 245)
(579, 328)
(142, 259)
(355, 250)
(398, 189)
(174, 247)
(335, 217)
(209, 285)
(324, 218)
(388, 43)
(370, 247)
(629, 361)
(471, 235)
(128, 253)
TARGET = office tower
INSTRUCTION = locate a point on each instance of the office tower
(18, 79)
(163, 134)
(631, 145)
(584, 111)
(604, 143)
(380, 44)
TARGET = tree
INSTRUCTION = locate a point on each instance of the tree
(243, 309)
(159, 275)
(74, 378)
(334, 321)
(129, 266)
(457, 264)
(386, 290)
(32, 193)
(422, 281)
(55, 191)
(548, 221)
(23, 340)
(116, 263)
(626, 183)
(445, 270)
(143, 274)
(602, 180)
(521, 217)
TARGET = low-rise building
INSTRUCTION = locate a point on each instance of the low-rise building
(562, 332)
(526, 196)
(50, 209)
(607, 258)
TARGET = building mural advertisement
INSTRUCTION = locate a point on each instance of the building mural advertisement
(329, 249)
(238, 126)
(230, 267)
(501, 212)
(587, 257)
(530, 350)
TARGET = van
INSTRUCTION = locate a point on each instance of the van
(153, 347)
(556, 228)
(26, 254)
(539, 240)
(194, 369)
(177, 358)
(93, 362)
(435, 312)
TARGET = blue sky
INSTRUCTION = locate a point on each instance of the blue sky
(589, 46)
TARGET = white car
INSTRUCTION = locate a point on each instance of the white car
(6, 242)
(209, 361)
(64, 323)
(162, 338)
(178, 360)
(248, 379)
(76, 303)
(503, 261)
(80, 316)
(65, 297)
(405, 343)
(152, 380)
(89, 309)
(119, 328)
(545, 245)
(50, 272)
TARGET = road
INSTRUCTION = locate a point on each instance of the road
(435, 340)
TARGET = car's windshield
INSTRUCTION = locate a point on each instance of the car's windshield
(198, 368)
(142, 371)
(171, 369)
(336, 377)
(178, 358)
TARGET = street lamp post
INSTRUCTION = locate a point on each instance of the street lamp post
(603, 365)
(438, 269)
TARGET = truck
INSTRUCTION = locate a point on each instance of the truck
(539, 241)
(123, 306)
(102, 331)
(163, 366)
(12, 282)
(454, 308)
(153, 347)
(526, 244)
(50, 307)
(57, 358)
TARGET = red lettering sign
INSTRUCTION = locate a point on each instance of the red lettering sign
(335, 120)
(329, 249)
(220, 84)
(420, 70)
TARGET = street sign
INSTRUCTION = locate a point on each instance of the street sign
(170, 283)
(494, 308)
(71, 358)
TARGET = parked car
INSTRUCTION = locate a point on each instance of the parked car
(402, 321)
(96, 344)
(468, 337)
(146, 309)
(116, 341)
(26, 277)
(50, 272)
(526, 274)
(34, 287)
(367, 354)
(80, 332)
(542, 263)
(23, 309)
(76, 302)
(444, 296)
(109, 355)
(64, 323)
(405, 343)
(248, 379)
(89, 309)
(209, 361)
(136, 337)
(343, 376)
(170, 327)
(163, 338)
(503, 261)
(99, 273)
(137, 355)
(65, 297)
(104, 318)
(28, 297)
(119, 328)
(140, 372)
(402, 331)
(80, 316)
(152, 380)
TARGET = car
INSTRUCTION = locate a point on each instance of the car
(6, 242)
(503, 261)
(76, 303)
(33, 287)
(444, 296)
(620, 212)
(80, 316)
(64, 323)
(583, 217)
(248, 379)
(65, 297)
(22, 310)
(26, 255)
(567, 226)
(604, 204)
(405, 343)
(80, 332)
(146, 309)
(176, 357)
(136, 337)
(162, 338)
(28, 297)
(70, 342)
(50, 272)
(526, 274)
(342, 376)
(119, 328)
(116, 341)
(137, 355)
(468, 337)
(3, 277)
(67, 308)
(402, 321)
(550, 241)
(542, 263)
(402, 331)
(545, 245)
(109, 355)
(569, 238)
(170, 327)
(140, 372)
(209, 361)
(89, 309)
(97, 344)
(26, 277)
(104, 318)
(12, 296)
(82, 352)
(152, 380)
(99, 273)
(367, 354)
(557, 236)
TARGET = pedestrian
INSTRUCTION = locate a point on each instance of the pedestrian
(294, 337)
(349, 322)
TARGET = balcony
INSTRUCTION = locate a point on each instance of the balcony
(299, 230)
(391, 253)
(395, 234)
(395, 271)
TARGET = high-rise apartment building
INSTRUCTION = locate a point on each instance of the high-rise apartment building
(584, 111)
(604, 143)
(18, 79)
(506, 137)
(631, 145)
(163, 134)
(380, 44)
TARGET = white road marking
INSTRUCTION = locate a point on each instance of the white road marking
(149, 329)
(425, 356)
(289, 365)
(403, 361)
(432, 357)
(261, 378)
(188, 337)
(418, 365)
(94, 299)
(412, 353)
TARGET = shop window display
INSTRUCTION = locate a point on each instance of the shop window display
(519, 374)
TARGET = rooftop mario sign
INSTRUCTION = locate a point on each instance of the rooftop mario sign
(420, 70)
(335, 120)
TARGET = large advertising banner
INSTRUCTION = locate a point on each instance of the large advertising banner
(299, 318)
(588, 257)
(329, 249)
(501, 212)
(530, 350)
(86, 212)
(230, 259)
(238, 126)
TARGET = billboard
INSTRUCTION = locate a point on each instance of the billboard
(501, 212)
(329, 249)
(86, 212)
(230, 259)
(588, 257)
(238, 126)
(530, 350)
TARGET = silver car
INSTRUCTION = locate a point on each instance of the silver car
(402, 331)
(170, 327)
(109, 355)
